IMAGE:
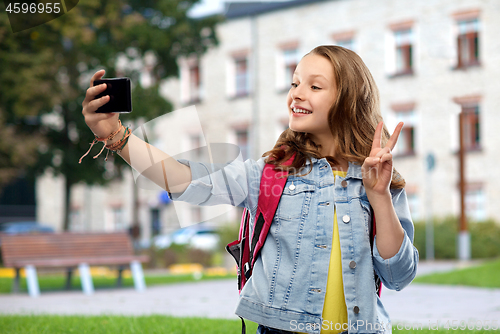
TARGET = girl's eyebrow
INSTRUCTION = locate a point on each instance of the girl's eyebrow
(318, 75)
(314, 75)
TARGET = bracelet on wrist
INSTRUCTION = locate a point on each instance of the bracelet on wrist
(105, 140)
(119, 145)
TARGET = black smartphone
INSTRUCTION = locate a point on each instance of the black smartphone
(120, 93)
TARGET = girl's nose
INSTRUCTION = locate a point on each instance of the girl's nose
(297, 94)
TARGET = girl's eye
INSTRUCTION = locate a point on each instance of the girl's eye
(315, 87)
(294, 85)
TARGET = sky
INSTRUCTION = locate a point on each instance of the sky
(208, 7)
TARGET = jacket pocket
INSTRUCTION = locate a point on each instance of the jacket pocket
(294, 200)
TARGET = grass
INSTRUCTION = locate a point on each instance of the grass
(57, 282)
(119, 324)
(52, 324)
(486, 275)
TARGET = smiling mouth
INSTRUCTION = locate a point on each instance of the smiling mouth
(301, 111)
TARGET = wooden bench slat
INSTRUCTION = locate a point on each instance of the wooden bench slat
(67, 248)
(61, 262)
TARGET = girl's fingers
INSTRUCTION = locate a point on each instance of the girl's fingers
(383, 151)
(386, 157)
(377, 137)
(92, 92)
(97, 75)
(93, 105)
(370, 162)
(391, 143)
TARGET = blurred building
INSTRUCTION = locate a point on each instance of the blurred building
(432, 60)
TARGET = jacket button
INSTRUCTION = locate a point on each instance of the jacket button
(346, 219)
(356, 309)
(291, 187)
(352, 264)
(344, 183)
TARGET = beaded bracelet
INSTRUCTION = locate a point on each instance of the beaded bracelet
(119, 150)
(119, 145)
(105, 140)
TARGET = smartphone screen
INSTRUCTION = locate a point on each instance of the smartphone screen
(119, 91)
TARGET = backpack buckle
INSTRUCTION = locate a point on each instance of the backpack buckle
(246, 270)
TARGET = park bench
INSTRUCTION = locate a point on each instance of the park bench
(70, 251)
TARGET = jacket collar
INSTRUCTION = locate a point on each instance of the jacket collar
(353, 172)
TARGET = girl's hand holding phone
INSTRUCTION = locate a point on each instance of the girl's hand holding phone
(101, 124)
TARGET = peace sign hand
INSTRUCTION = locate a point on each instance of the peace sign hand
(377, 167)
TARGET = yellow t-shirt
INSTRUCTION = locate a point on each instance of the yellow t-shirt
(335, 309)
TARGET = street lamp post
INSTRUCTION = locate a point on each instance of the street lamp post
(429, 227)
(463, 233)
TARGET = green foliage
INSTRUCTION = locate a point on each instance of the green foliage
(485, 238)
(228, 233)
(55, 324)
(486, 275)
(181, 254)
(45, 72)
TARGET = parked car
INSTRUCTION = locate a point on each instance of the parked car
(200, 237)
(24, 227)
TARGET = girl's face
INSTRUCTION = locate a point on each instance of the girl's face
(311, 96)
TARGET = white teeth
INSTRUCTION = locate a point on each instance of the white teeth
(302, 111)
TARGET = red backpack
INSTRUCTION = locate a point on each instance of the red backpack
(246, 249)
(272, 184)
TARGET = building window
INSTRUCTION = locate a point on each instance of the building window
(118, 218)
(475, 202)
(242, 76)
(194, 82)
(76, 220)
(468, 43)
(242, 142)
(406, 145)
(471, 127)
(404, 51)
(346, 43)
(290, 58)
(155, 221)
(191, 85)
(287, 58)
(344, 39)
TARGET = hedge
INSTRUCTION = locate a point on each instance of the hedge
(485, 238)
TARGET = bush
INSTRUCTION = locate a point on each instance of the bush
(228, 233)
(485, 238)
(176, 254)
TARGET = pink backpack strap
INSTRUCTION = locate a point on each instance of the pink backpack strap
(271, 187)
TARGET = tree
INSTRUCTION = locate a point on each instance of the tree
(46, 71)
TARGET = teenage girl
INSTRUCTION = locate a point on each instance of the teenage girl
(315, 273)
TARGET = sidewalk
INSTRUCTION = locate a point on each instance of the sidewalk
(416, 304)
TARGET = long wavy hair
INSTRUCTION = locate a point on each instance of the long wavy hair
(352, 118)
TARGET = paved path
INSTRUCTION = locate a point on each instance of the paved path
(417, 304)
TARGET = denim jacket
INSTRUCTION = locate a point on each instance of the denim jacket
(288, 284)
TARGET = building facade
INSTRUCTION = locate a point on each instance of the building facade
(431, 60)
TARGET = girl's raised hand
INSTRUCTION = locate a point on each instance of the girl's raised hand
(102, 125)
(377, 168)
